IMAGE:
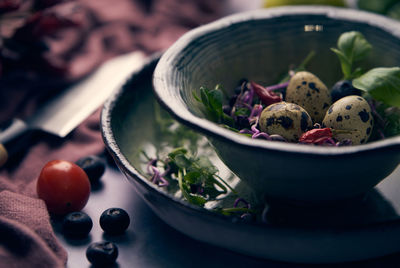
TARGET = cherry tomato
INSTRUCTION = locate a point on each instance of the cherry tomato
(64, 186)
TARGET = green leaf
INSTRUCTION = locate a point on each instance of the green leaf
(344, 62)
(197, 200)
(212, 101)
(382, 84)
(192, 177)
(351, 47)
(182, 161)
(196, 97)
(354, 45)
(205, 164)
(215, 100)
(177, 151)
(242, 111)
(193, 199)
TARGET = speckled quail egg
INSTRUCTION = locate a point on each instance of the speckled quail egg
(286, 119)
(351, 113)
(308, 91)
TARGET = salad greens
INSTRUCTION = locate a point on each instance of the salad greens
(195, 177)
(212, 100)
(180, 169)
(381, 86)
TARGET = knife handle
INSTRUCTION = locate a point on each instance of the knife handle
(10, 142)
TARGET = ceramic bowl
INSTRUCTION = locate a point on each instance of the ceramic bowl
(260, 45)
(342, 232)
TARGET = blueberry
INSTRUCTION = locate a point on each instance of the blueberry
(77, 224)
(114, 221)
(94, 167)
(342, 89)
(102, 254)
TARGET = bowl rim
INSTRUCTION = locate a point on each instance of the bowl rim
(173, 103)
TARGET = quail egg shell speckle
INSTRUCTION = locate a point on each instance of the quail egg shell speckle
(286, 119)
(351, 113)
(308, 91)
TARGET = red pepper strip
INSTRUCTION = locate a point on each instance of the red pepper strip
(316, 136)
(267, 97)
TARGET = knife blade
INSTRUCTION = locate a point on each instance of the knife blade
(60, 115)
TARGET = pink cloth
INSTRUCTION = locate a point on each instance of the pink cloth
(106, 28)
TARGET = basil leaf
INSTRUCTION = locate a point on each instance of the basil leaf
(382, 84)
(344, 62)
(351, 47)
(354, 45)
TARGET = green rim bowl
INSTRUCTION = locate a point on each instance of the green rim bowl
(260, 45)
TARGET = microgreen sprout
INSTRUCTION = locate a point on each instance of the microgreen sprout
(196, 176)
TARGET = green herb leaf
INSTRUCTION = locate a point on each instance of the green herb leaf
(382, 84)
(351, 47)
(197, 200)
(344, 62)
(192, 177)
(354, 45)
(182, 161)
(212, 101)
(177, 151)
(205, 164)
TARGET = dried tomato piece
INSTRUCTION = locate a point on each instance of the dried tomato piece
(316, 136)
(267, 97)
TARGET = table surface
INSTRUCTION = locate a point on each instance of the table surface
(149, 242)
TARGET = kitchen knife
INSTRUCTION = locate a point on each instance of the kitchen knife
(67, 110)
